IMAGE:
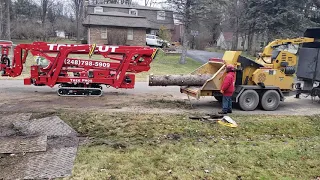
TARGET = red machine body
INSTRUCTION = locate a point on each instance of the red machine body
(55, 65)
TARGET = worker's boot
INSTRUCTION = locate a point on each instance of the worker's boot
(222, 112)
(229, 111)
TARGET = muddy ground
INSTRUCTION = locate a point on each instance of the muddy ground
(16, 97)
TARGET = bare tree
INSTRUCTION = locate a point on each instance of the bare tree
(45, 5)
(186, 11)
(1, 18)
(8, 23)
(78, 7)
(148, 2)
(5, 23)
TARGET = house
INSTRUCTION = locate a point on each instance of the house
(178, 31)
(226, 41)
(60, 34)
(117, 24)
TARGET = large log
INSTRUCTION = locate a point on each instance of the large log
(178, 80)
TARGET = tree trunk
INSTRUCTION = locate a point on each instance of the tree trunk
(43, 18)
(78, 23)
(186, 22)
(184, 48)
(1, 19)
(178, 80)
(250, 38)
(8, 23)
(236, 37)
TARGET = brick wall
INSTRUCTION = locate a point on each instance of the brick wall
(139, 37)
(95, 36)
(117, 36)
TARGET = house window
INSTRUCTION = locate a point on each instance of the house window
(104, 33)
(153, 32)
(98, 10)
(133, 12)
(161, 15)
(130, 34)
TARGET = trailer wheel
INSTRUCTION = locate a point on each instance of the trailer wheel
(270, 100)
(249, 100)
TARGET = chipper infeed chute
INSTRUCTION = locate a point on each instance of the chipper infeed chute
(205, 79)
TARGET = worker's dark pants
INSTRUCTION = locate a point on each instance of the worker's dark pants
(227, 103)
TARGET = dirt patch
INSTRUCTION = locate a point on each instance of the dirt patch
(42, 115)
(40, 102)
(174, 136)
(167, 104)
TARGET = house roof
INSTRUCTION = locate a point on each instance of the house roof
(116, 13)
(228, 36)
(156, 25)
(113, 20)
(128, 7)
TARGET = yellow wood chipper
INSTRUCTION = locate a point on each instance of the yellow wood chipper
(264, 82)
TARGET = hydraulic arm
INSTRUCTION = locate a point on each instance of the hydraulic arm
(63, 64)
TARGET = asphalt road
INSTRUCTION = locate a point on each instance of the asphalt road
(203, 56)
(13, 92)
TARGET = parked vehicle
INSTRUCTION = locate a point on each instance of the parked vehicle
(153, 40)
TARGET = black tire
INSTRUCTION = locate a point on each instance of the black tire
(249, 100)
(218, 98)
(270, 100)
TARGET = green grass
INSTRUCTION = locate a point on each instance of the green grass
(144, 146)
(169, 64)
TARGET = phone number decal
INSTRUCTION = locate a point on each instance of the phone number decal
(86, 63)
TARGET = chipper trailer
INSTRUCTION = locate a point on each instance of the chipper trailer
(56, 65)
(264, 82)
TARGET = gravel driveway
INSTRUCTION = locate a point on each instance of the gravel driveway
(203, 56)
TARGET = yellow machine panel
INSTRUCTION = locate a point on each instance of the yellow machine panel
(273, 77)
(285, 57)
(231, 57)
